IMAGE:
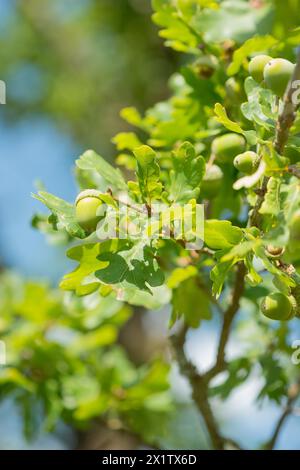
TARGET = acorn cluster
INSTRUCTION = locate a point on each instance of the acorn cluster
(275, 73)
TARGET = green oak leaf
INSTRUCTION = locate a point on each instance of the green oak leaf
(126, 141)
(259, 107)
(137, 266)
(222, 117)
(271, 203)
(252, 45)
(221, 234)
(89, 262)
(63, 211)
(219, 274)
(190, 302)
(90, 160)
(177, 32)
(234, 19)
(148, 174)
(186, 175)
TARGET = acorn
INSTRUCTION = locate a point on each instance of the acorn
(278, 306)
(211, 182)
(257, 65)
(247, 162)
(87, 209)
(277, 74)
(227, 146)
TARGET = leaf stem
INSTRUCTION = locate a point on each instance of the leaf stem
(199, 387)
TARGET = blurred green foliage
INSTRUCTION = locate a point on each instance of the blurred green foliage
(81, 62)
(63, 361)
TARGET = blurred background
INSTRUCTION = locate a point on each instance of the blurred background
(69, 67)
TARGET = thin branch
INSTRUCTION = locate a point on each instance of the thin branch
(228, 318)
(199, 388)
(288, 410)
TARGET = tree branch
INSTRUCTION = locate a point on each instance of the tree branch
(228, 318)
(288, 410)
(199, 388)
(199, 383)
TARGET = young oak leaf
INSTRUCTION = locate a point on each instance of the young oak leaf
(221, 234)
(271, 203)
(179, 35)
(238, 252)
(63, 211)
(137, 266)
(219, 274)
(90, 160)
(126, 141)
(191, 302)
(222, 117)
(186, 175)
(252, 45)
(260, 105)
(148, 174)
(89, 262)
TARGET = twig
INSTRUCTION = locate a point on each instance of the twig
(199, 388)
(288, 410)
(227, 323)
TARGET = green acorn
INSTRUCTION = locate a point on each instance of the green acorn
(278, 306)
(87, 207)
(211, 182)
(257, 65)
(227, 146)
(277, 74)
(246, 162)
